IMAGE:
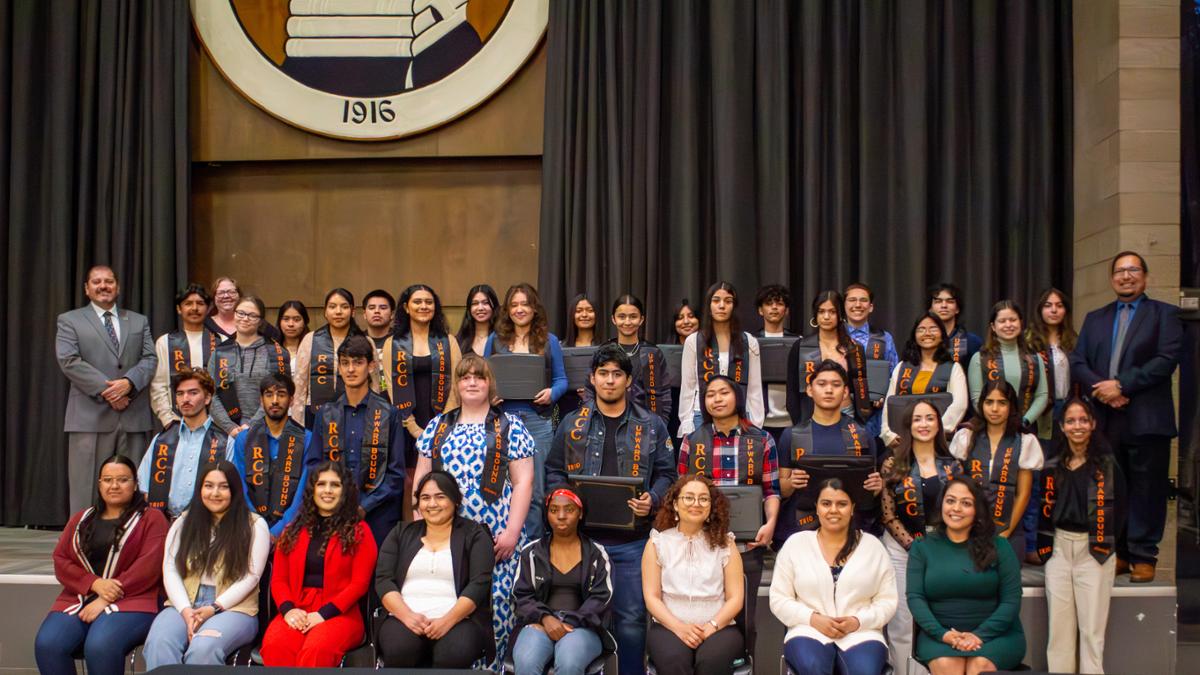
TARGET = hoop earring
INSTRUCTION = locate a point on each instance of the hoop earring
(813, 322)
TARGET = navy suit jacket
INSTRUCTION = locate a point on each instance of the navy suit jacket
(1149, 357)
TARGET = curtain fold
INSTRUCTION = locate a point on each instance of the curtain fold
(809, 143)
(94, 168)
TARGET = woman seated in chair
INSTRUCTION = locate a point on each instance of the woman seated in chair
(835, 590)
(562, 595)
(323, 566)
(964, 589)
(215, 555)
(434, 579)
(692, 582)
(109, 562)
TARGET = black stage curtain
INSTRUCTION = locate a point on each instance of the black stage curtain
(93, 168)
(809, 143)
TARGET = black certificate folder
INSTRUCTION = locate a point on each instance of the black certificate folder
(850, 469)
(745, 510)
(578, 363)
(519, 377)
(674, 356)
(879, 375)
(607, 500)
(773, 356)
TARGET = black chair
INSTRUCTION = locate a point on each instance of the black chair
(743, 665)
(82, 663)
(605, 663)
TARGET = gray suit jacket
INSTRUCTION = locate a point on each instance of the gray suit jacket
(87, 357)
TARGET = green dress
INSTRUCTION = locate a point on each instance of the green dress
(945, 591)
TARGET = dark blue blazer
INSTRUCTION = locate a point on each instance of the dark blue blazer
(1149, 357)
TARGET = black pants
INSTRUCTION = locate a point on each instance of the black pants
(400, 648)
(715, 656)
(752, 567)
(1146, 463)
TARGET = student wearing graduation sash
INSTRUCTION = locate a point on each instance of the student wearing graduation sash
(379, 309)
(831, 342)
(828, 431)
(612, 437)
(651, 383)
(362, 430)
(1001, 459)
(926, 368)
(316, 374)
(292, 324)
(774, 304)
(945, 300)
(719, 347)
(914, 476)
(109, 562)
(479, 319)
(269, 456)
(582, 331)
(1083, 497)
(878, 343)
(521, 329)
(181, 350)
(176, 455)
(489, 453)
(1006, 355)
(420, 360)
(239, 364)
(731, 451)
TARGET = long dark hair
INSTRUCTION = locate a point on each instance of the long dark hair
(300, 309)
(912, 350)
(853, 536)
(717, 525)
(736, 339)
(343, 523)
(1098, 450)
(572, 330)
(466, 329)
(352, 328)
(539, 334)
(978, 423)
(634, 301)
(1039, 333)
(135, 507)
(981, 544)
(991, 343)
(902, 456)
(845, 343)
(204, 544)
(683, 303)
(402, 325)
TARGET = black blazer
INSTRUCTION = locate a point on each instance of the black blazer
(470, 555)
(1148, 358)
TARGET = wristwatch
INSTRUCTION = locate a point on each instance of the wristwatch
(217, 608)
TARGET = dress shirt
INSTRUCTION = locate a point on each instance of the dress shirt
(183, 467)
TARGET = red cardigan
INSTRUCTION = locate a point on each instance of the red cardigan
(137, 565)
(347, 578)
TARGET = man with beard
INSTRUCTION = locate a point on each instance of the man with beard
(170, 466)
(270, 455)
(182, 350)
(612, 437)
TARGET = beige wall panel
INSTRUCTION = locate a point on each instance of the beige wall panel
(1149, 83)
(1149, 146)
(1149, 21)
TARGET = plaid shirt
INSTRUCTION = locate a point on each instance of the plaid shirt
(725, 461)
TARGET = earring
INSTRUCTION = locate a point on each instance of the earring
(813, 322)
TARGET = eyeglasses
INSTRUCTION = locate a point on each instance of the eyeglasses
(926, 330)
(247, 315)
(120, 481)
(225, 294)
(1132, 270)
(692, 500)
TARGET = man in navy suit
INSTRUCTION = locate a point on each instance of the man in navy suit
(1124, 358)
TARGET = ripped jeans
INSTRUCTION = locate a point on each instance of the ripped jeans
(216, 638)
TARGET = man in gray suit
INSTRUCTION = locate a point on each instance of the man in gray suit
(108, 355)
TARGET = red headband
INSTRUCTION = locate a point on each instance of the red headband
(563, 492)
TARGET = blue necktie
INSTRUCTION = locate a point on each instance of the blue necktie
(1122, 325)
(112, 332)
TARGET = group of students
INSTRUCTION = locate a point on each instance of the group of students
(396, 435)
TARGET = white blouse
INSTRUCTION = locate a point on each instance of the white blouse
(429, 585)
(1031, 451)
(693, 574)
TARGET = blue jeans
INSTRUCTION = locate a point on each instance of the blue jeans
(807, 656)
(105, 642)
(569, 656)
(542, 431)
(216, 638)
(628, 607)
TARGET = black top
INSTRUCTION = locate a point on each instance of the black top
(314, 560)
(1071, 503)
(608, 464)
(836, 571)
(565, 588)
(422, 388)
(379, 341)
(931, 489)
(101, 542)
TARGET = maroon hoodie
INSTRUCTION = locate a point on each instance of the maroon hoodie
(137, 564)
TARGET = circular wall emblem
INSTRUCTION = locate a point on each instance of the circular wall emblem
(369, 70)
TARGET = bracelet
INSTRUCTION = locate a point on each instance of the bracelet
(714, 624)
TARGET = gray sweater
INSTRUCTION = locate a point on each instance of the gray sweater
(248, 369)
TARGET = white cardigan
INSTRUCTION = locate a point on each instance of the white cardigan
(802, 584)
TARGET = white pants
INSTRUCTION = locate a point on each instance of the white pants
(1078, 590)
(900, 628)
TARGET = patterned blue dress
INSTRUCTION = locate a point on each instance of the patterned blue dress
(462, 457)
